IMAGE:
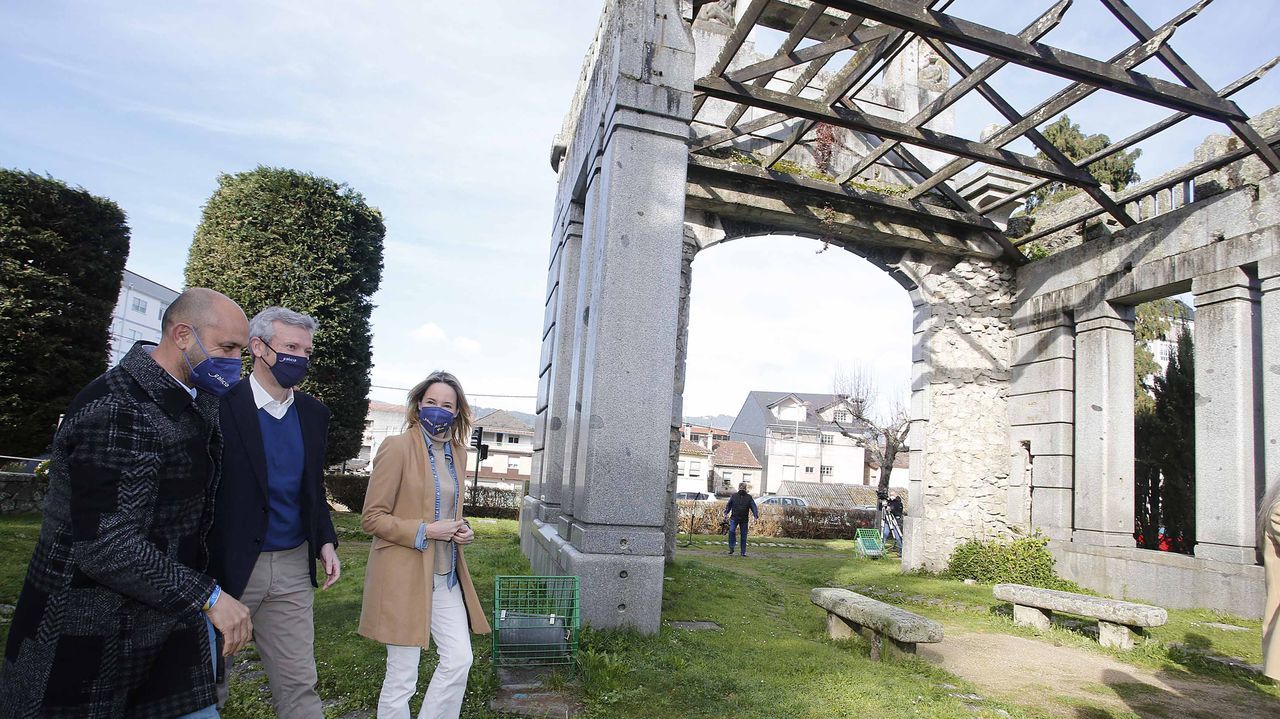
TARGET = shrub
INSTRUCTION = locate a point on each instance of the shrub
(1021, 561)
(492, 502)
(62, 252)
(792, 522)
(347, 489)
(280, 237)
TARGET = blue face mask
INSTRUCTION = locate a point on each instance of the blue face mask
(215, 375)
(288, 369)
(435, 419)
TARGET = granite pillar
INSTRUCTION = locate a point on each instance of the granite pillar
(1228, 414)
(1269, 284)
(1103, 498)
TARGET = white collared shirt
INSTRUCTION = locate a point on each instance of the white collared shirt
(264, 400)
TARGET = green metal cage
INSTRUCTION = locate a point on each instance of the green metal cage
(535, 621)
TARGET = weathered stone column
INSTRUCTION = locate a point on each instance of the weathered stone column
(1269, 282)
(1041, 413)
(1228, 404)
(964, 472)
(555, 366)
(1104, 426)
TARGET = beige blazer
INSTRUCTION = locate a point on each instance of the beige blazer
(398, 578)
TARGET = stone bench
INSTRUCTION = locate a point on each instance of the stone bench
(849, 613)
(1118, 621)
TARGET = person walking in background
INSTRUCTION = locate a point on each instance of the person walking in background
(116, 617)
(736, 510)
(417, 588)
(271, 520)
(1268, 544)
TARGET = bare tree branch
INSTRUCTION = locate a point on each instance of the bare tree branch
(881, 438)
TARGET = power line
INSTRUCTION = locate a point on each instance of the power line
(469, 394)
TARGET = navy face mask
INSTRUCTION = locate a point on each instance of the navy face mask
(215, 375)
(288, 369)
(435, 419)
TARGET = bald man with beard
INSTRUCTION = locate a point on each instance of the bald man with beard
(116, 617)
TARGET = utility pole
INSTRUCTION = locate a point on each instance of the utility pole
(482, 452)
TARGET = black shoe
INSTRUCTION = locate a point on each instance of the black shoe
(730, 551)
(743, 554)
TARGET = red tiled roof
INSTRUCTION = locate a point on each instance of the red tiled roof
(688, 447)
(731, 453)
(375, 406)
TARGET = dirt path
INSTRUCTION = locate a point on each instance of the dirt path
(1070, 682)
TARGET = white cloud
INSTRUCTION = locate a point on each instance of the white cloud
(428, 332)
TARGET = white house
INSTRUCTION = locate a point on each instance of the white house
(733, 462)
(510, 459)
(800, 437)
(383, 420)
(693, 467)
(139, 307)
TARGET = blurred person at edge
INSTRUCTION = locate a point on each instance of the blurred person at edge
(1268, 543)
(117, 615)
(417, 588)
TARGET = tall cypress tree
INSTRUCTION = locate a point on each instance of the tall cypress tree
(62, 254)
(1175, 440)
(275, 236)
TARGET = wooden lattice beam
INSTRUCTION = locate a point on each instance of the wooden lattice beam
(1055, 61)
(818, 112)
(1184, 72)
(1037, 29)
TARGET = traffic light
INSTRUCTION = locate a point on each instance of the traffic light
(475, 436)
(481, 449)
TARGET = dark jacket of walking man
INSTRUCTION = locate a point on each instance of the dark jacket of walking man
(115, 614)
(272, 521)
(736, 510)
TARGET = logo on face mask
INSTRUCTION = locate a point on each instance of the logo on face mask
(288, 369)
(435, 419)
(215, 375)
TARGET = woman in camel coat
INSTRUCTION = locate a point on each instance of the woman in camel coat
(417, 588)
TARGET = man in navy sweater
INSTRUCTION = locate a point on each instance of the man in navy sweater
(271, 520)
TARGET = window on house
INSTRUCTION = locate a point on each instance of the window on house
(680, 469)
(808, 470)
(695, 469)
(828, 438)
(728, 475)
(138, 305)
(841, 416)
(826, 470)
(133, 335)
(512, 439)
(160, 313)
(497, 438)
(747, 476)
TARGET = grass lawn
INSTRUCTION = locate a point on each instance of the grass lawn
(770, 659)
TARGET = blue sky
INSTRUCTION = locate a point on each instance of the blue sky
(442, 115)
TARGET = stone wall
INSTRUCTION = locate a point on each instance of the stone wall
(20, 493)
(959, 439)
(1071, 401)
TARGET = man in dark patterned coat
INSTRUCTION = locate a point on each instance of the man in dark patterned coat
(109, 622)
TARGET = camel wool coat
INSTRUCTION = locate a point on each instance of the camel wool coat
(398, 578)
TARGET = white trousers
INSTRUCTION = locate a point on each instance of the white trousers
(452, 638)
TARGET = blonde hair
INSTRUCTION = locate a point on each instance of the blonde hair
(460, 430)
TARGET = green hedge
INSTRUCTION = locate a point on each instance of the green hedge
(1021, 561)
(348, 489)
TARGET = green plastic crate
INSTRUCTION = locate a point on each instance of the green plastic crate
(535, 621)
(868, 543)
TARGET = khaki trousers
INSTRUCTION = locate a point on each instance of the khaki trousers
(279, 597)
(1271, 616)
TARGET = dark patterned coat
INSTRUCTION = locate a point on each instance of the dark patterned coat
(109, 623)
